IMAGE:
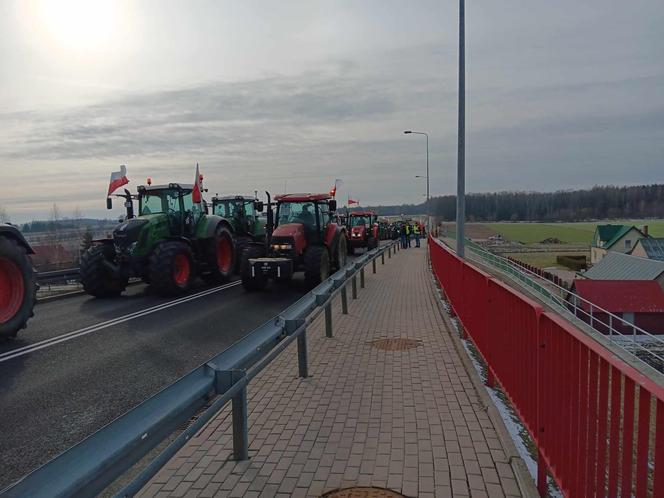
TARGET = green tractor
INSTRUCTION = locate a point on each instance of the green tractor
(18, 281)
(169, 243)
(243, 215)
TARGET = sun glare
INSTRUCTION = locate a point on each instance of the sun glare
(76, 25)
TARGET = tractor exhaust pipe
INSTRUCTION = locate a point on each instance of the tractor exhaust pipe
(270, 220)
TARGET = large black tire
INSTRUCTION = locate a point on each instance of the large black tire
(342, 253)
(171, 268)
(316, 265)
(97, 279)
(372, 244)
(222, 259)
(351, 249)
(18, 287)
(251, 282)
(241, 243)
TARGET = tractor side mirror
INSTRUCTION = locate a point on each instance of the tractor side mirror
(258, 205)
(109, 203)
(333, 205)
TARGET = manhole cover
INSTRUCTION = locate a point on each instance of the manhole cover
(395, 344)
(363, 493)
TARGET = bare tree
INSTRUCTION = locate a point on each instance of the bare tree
(76, 214)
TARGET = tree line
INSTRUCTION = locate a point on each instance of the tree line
(601, 202)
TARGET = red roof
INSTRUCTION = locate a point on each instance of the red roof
(363, 213)
(620, 296)
(302, 197)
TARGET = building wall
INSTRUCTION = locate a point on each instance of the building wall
(632, 237)
(639, 251)
(596, 254)
(650, 322)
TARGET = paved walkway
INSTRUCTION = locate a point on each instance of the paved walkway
(411, 421)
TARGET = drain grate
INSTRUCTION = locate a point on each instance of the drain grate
(363, 493)
(395, 344)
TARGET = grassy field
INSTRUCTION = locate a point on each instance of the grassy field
(571, 233)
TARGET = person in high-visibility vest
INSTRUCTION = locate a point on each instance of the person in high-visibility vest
(416, 231)
(409, 232)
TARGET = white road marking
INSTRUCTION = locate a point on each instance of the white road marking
(15, 353)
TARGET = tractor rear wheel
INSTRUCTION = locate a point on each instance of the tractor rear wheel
(223, 257)
(316, 265)
(96, 278)
(342, 253)
(18, 287)
(241, 243)
(251, 282)
(171, 268)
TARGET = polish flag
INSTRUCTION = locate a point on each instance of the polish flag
(118, 179)
(351, 202)
(198, 188)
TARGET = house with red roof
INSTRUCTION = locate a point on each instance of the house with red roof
(637, 302)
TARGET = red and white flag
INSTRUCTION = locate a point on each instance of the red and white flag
(198, 188)
(118, 179)
(351, 202)
(337, 183)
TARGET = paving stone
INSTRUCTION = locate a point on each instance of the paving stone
(408, 420)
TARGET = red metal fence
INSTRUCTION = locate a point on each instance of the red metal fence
(597, 422)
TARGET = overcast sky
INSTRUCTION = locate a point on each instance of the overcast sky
(561, 94)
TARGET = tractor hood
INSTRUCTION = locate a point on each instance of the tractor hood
(289, 230)
(291, 233)
(128, 231)
(358, 231)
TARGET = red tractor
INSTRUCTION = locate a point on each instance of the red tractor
(362, 230)
(301, 236)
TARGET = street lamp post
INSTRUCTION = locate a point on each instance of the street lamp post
(408, 132)
(461, 151)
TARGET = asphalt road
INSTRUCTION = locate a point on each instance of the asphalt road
(83, 361)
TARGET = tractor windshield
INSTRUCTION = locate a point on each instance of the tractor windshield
(296, 212)
(164, 201)
(356, 221)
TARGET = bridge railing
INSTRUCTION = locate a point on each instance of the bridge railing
(89, 467)
(597, 422)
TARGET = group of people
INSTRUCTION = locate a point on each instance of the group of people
(410, 231)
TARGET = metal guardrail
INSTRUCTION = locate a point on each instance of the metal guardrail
(89, 467)
(640, 344)
(52, 277)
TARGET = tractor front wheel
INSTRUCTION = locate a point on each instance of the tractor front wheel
(316, 265)
(171, 268)
(18, 287)
(258, 281)
(96, 277)
(342, 253)
(222, 262)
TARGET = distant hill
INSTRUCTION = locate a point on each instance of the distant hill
(601, 202)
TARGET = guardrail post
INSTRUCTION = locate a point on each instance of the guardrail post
(373, 265)
(382, 258)
(344, 300)
(362, 278)
(240, 422)
(389, 252)
(328, 320)
(302, 363)
(354, 286)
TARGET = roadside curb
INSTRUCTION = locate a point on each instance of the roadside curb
(524, 480)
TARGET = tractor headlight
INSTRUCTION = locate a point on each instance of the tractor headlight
(357, 234)
(281, 247)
